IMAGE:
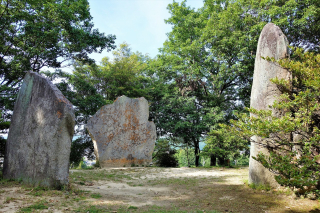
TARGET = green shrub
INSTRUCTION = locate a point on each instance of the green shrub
(167, 159)
(81, 147)
(292, 139)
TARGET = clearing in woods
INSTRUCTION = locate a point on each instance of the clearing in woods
(152, 189)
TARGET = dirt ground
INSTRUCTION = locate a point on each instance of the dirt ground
(150, 189)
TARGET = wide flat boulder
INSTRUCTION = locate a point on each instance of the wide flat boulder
(273, 44)
(122, 134)
(40, 134)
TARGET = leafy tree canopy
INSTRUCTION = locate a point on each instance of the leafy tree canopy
(209, 55)
(43, 33)
(224, 145)
(92, 86)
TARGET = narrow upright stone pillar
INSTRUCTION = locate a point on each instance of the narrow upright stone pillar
(122, 134)
(40, 134)
(272, 43)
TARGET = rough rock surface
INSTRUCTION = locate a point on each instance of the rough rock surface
(122, 134)
(272, 43)
(41, 130)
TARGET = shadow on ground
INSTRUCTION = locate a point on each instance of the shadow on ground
(188, 190)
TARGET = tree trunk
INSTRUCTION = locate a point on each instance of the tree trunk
(213, 160)
(221, 161)
(187, 151)
(196, 152)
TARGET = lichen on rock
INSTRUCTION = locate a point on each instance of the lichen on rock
(40, 134)
(122, 134)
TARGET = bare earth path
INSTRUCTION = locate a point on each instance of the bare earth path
(156, 190)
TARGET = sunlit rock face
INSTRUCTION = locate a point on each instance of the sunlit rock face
(122, 134)
(41, 130)
(272, 43)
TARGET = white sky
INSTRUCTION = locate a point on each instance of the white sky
(140, 23)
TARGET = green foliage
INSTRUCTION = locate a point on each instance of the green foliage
(299, 20)
(124, 75)
(259, 187)
(208, 58)
(208, 75)
(293, 138)
(132, 207)
(223, 145)
(43, 33)
(167, 159)
(92, 86)
(82, 165)
(205, 161)
(243, 160)
(2, 147)
(3, 124)
(79, 148)
(164, 154)
(186, 157)
(161, 145)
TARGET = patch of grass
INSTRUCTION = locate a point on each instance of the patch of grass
(92, 209)
(95, 175)
(134, 184)
(132, 207)
(159, 209)
(96, 195)
(9, 199)
(43, 204)
(131, 184)
(43, 191)
(88, 168)
(9, 182)
(38, 191)
(259, 187)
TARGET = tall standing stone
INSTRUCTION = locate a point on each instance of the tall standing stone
(122, 134)
(272, 43)
(41, 130)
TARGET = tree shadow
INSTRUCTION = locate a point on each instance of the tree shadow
(192, 194)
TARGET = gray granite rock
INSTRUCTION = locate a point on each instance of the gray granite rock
(122, 134)
(40, 134)
(272, 43)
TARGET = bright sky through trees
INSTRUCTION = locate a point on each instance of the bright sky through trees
(140, 23)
